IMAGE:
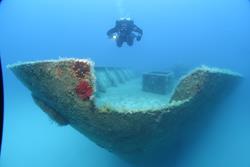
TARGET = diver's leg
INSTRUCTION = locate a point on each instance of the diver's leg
(119, 42)
(130, 40)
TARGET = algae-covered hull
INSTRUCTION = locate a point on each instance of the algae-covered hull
(67, 90)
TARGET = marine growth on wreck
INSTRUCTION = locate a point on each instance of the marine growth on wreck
(131, 115)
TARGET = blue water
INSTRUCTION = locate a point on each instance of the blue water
(186, 32)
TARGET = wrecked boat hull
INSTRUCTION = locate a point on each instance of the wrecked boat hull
(65, 90)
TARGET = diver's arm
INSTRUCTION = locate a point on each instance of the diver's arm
(112, 31)
(139, 31)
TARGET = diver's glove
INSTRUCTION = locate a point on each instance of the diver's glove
(138, 38)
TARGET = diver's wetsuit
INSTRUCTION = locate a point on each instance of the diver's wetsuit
(124, 30)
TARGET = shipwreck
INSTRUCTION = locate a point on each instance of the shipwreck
(131, 115)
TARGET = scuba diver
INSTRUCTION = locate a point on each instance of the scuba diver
(124, 32)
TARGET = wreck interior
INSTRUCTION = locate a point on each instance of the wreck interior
(123, 90)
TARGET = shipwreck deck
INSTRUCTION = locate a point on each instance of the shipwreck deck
(130, 97)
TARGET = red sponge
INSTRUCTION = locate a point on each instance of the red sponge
(84, 90)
